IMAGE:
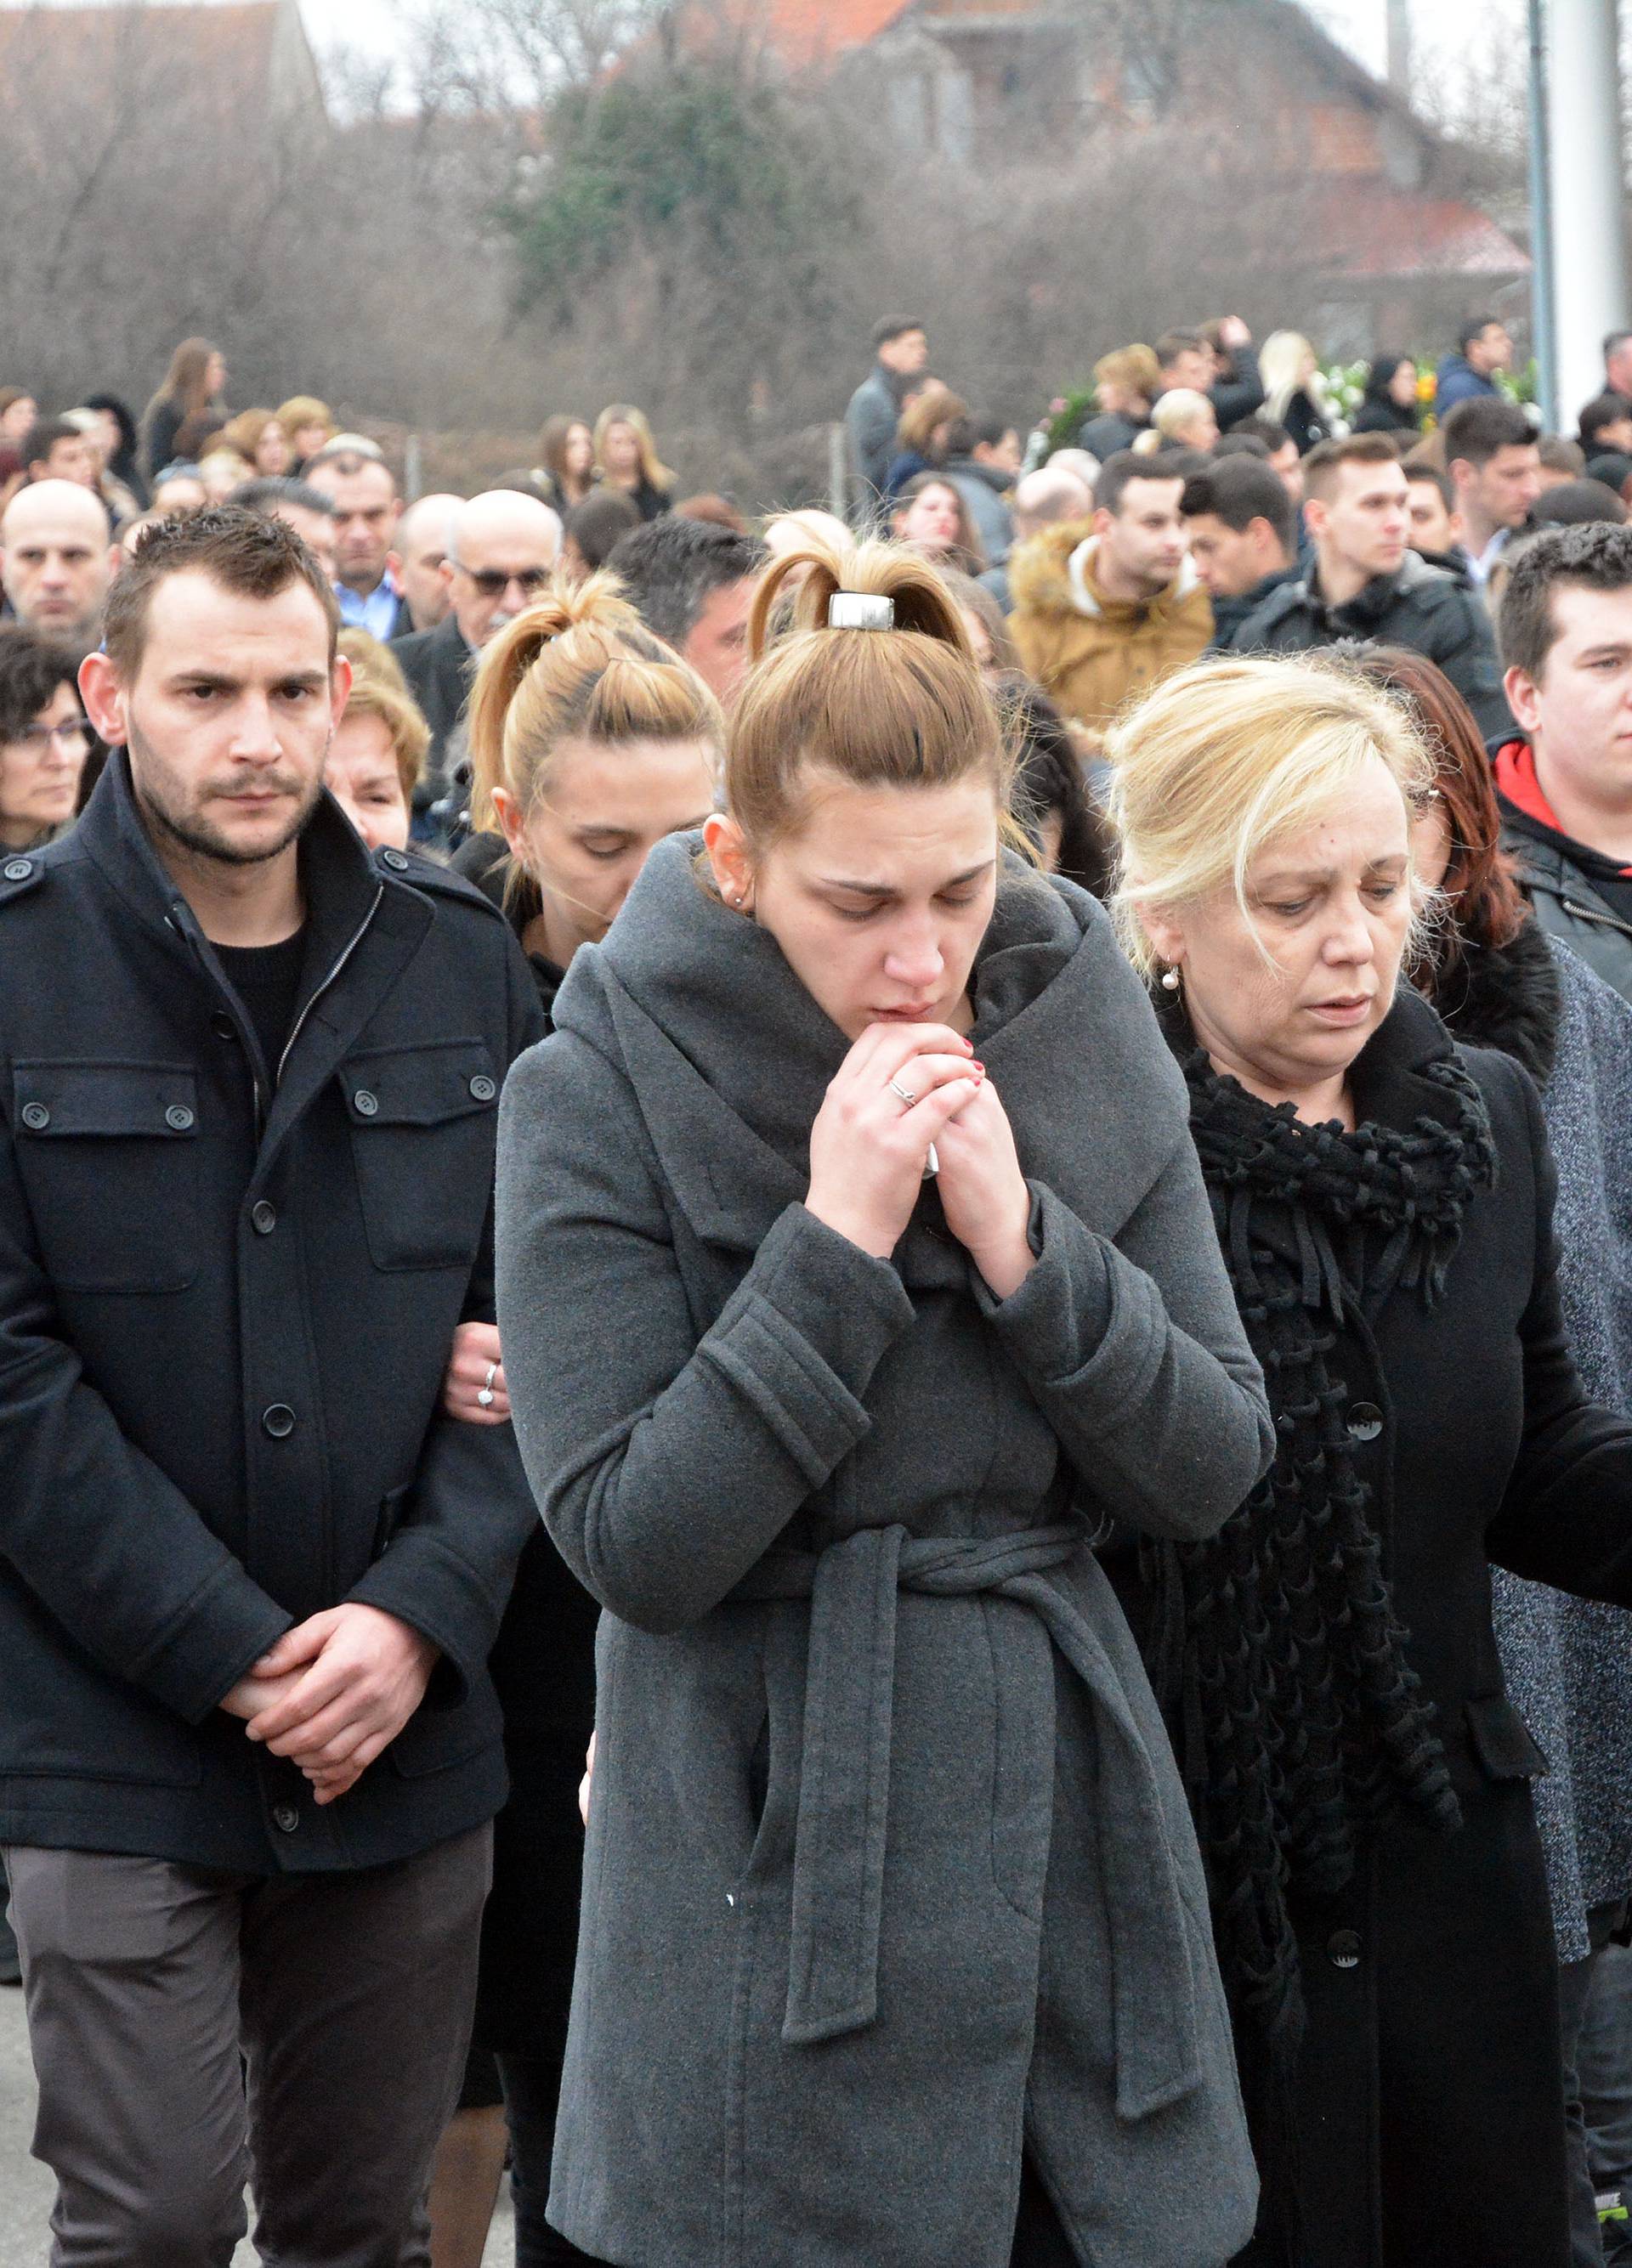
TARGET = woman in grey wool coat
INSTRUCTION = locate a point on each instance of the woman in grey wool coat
(854, 1270)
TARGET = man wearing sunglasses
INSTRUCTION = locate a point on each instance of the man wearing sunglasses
(503, 551)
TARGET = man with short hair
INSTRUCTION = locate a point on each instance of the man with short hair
(1366, 584)
(1606, 425)
(55, 449)
(1490, 454)
(1483, 348)
(250, 1569)
(693, 582)
(901, 350)
(1102, 612)
(1560, 459)
(422, 538)
(1243, 535)
(1053, 493)
(1431, 509)
(305, 509)
(1188, 358)
(366, 510)
(1618, 362)
(502, 551)
(57, 561)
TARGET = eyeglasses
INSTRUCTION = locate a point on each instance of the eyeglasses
(74, 738)
(494, 582)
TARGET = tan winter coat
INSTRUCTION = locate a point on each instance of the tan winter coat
(1090, 652)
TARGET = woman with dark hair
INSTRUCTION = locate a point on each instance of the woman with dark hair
(45, 740)
(1499, 981)
(189, 398)
(1390, 403)
(1385, 1200)
(566, 470)
(122, 437)
(932, 518)
(1051, 798)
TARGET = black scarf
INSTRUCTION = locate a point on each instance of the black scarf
(1279, 1656)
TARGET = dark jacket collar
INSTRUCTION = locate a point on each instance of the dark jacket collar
(1373, 601)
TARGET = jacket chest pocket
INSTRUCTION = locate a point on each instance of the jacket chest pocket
(423, 1122)
(109, 1155)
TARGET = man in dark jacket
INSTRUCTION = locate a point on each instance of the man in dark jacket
(503, 548)
(1243, 533)
(902, 349)
(1483, 348)
(1189, 358)
(1496, 469)
(1365, 583)
(1565, 778)
(249, 1572)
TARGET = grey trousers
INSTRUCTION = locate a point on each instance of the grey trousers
(193, 2030)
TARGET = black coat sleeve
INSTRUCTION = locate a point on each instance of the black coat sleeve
(1566, 1518)
(1237, 397)
(1464, 645)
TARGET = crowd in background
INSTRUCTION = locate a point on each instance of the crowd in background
(1462, 581)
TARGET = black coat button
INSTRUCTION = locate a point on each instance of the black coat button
(285, 1818)
(364, 1103)
(222, 1025)
(278, 1420)
(18, 869)
(1365, 1422)
(1343, 1948)
(263, 1217)
(395, 860)
(483, 1088)
(179, 1116)
(36, 1118)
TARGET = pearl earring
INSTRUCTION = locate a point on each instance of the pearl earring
(1169, 982)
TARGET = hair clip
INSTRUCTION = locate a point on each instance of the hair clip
(860, 610)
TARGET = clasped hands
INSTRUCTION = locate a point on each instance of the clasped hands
(335, 1692)
(869, 1144)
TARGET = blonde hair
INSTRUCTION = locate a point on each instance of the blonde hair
(1222, 758)
(1135, 368)
(306, 409)
(379, 689)
(1280, 365)
(243, 431)
(578, 665)
(652, 467)
(904, 707)
(936, 405)
(1174, 411)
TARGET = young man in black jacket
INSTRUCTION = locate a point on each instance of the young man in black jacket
(1243, 529)
(249, 1571)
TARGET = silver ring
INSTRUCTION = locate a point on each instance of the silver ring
(905, 1093)
(931, 1164)
(493, 1373)
(485, 1398)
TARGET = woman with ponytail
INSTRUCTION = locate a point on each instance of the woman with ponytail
(1384, 1200)
(590, 742)
(854, 1270)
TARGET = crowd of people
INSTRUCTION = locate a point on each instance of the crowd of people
(817, 1333)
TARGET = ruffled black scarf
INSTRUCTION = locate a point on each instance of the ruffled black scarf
(1278, 1653)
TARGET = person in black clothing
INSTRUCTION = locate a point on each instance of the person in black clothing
(590, 740)
(1126, 384)
(252, 1076)
(1190, 358)
(1365, 584)
(1243, 537)
(626, 459)
(1606, 425)
(1390, 403)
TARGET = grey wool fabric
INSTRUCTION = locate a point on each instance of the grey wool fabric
(889, 1865)
(1568, 1661)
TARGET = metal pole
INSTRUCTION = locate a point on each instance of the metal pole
(1541, 324)
(1589, 263)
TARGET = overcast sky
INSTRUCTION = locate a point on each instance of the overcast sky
(1446, 30)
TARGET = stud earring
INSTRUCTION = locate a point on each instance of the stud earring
(1170, 980)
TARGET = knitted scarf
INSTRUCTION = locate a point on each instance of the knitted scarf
(1278, 1654)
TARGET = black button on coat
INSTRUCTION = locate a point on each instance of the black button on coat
(210, 1428)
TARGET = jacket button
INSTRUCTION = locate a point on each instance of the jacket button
(263, 1217)
(1343, 1948)
(395, 860)
(18, 869)
(483, 1088)
(278, 1420)
(36, 1118)
(285, 1818)
(364, 1103)
(179, 1116)
(222, 1025)
(1365, 1422)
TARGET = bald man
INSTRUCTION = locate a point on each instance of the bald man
(423, 534)
(502, 550)
(1053, 493)
(57, 558)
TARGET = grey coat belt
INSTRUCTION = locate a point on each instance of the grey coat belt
(838, 1862)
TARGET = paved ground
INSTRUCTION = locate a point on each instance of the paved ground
(26, 2187)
